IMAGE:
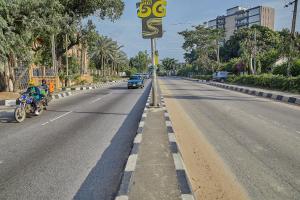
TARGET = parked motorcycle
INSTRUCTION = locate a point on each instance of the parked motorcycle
(25, 107)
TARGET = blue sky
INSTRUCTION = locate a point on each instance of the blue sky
(181, 14)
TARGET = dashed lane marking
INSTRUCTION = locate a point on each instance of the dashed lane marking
(61, 116)
(96, 100)
(45, 123)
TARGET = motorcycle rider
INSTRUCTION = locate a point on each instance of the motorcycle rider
(45, 90)
(34, 92)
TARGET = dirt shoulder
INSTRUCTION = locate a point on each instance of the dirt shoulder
(210, 178)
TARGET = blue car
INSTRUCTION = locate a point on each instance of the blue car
(135, 82)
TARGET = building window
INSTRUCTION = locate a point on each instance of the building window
(255, 18)
(254, 12)
(255, 23)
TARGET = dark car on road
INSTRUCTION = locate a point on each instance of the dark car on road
(135, 82)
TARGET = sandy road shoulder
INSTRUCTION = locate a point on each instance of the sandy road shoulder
(210, 177)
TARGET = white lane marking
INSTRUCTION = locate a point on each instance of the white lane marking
(1, 162)
(52, 120)
(298, 132)
(96, 100)
(131, 163)
(45, 123)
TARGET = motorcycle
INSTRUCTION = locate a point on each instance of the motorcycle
(25, 107)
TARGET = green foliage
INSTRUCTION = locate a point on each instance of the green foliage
(201, 46)
(295, 68)
(203, 77)
(185, 71)
(280, 69)
(235, 66)
(170, 64)
(269, 81)
(140, 61)
(131, 71)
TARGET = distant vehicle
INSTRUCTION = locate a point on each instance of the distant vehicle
(135, 81)
(144, 75)
(220, 76)
(147, 75)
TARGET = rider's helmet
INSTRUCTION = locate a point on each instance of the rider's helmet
(31, 83)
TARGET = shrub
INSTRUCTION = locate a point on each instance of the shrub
(295, 68)
(280, 70)
(130, 71)
(269, 81)
(203, 77)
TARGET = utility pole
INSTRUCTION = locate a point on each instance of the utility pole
(154, 82)
(293, 30)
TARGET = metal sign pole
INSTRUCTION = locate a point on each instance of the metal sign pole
(154, 83)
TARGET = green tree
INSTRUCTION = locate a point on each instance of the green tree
(141, 61)
(202, 46)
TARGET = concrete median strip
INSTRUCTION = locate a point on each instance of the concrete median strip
(184, 184)
(132, 160)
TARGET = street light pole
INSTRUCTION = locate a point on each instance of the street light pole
(154, 83)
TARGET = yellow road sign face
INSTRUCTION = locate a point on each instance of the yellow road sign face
(152, 8)
(152, 12)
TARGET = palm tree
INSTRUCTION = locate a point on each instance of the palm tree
(101, 53)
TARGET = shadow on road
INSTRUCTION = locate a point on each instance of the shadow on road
(7, 116)
(104, 179)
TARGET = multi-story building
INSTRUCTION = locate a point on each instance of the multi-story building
(239, 17)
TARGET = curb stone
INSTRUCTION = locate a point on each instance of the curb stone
(268, 95)
(184, 183)
(132, 160)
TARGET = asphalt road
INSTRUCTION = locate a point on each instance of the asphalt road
(75, 150)
(258, 139)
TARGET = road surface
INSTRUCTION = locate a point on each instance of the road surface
(77, 149)
(257, 139)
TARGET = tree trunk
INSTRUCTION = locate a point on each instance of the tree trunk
(102, 65)
(53, 52)
(251, 65)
